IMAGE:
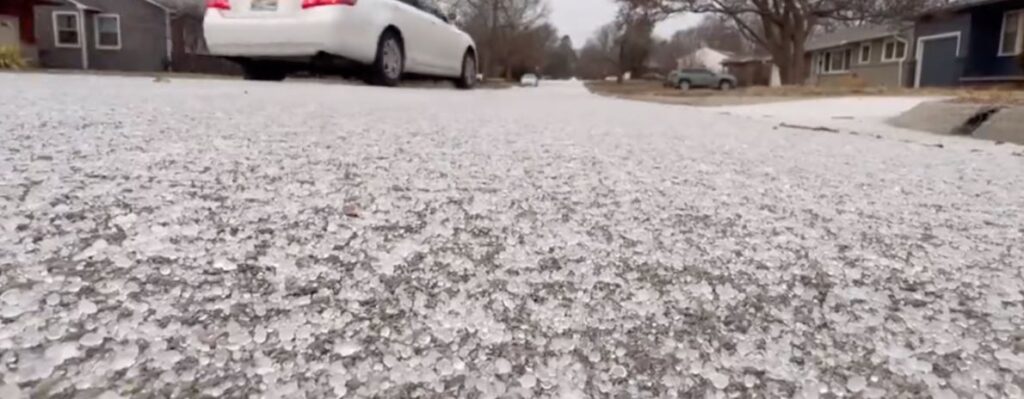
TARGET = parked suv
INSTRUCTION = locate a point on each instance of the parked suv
(391, 38)
(686, 79)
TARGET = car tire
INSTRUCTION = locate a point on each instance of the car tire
(467, 80)
(684, 85)
(389, 64)
(263, 71)
(725, 85)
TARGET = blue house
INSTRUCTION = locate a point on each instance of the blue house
(970, 42)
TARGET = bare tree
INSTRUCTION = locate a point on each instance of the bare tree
(599, 57)
(623, 45)
(721, 34)
(880, 11)
(509, 33)
(561, 59)
(636, 20)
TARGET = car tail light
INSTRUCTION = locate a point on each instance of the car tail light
(318, 3)
(218, 4)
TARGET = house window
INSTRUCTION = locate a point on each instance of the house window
(108, 32)
(65, 29)
(837, 61)
(1010, 42)
(894, 50)
(865, 53)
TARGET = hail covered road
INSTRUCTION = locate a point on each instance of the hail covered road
(218, 238)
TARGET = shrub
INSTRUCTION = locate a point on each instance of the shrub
(10, 58)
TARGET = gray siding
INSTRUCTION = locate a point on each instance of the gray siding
(49, 55)
(874, 72)
(143, 38)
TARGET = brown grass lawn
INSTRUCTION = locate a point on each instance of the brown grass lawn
(655, 92)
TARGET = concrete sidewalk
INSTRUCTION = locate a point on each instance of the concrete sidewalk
(985, 121)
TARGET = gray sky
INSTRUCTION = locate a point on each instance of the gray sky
(580, 18)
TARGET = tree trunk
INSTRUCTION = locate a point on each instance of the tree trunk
(621, 67)
(787, 50)
(492, 39)
(798, 70)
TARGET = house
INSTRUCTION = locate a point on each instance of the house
(865, 55)
(17, 26)
(704, 57)
(970, 42)
(124, 35)
(750, 71)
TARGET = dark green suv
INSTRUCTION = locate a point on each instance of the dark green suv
(686, 79)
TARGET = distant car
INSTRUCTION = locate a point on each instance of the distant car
(273, 38)
(529, 80)
(686, 79)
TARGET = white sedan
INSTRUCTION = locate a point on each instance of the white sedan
(272, 38)
(529, 80)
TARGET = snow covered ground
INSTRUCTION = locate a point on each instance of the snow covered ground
(207, 238)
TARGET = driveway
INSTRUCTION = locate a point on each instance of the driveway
(208, 238)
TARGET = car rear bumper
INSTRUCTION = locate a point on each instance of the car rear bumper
(337, 30)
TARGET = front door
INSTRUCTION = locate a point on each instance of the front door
(939, 62)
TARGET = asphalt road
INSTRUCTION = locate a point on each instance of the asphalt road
(208, 238)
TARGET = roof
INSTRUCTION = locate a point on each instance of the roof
(853, 35)
(83, 6)
(159, 4)
(705, 49)
(89, 5)
(748, 58)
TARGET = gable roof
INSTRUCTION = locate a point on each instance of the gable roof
(748, 58)
(853, 35)
(705, 49)
(81, 6)
(159, 4)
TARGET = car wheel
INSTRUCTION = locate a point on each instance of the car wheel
(725, 85)
(468, 78)
(263, 71)
(684, 85)
(390, 61)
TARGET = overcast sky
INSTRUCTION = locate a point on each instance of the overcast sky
(580, 18)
